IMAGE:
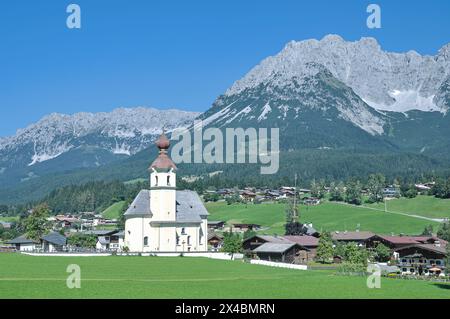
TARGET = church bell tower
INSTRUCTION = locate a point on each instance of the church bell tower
(163, 183)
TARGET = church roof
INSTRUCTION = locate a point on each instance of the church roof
(140, 205)
(190, 207)
(163, 160)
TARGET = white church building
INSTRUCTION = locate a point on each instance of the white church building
(164, 219)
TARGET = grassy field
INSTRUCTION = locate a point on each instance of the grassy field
(186, 277)
(427, 206)
(113, 211)
(326, 216)
(9, 219)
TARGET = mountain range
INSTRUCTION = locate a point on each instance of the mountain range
(60, 142)
(329, 97)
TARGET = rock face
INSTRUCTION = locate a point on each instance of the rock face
(96, 137)
(337, 94)
(387, 81)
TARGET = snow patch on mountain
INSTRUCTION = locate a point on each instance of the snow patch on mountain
(122, 131)
(403, 100)
(241, 113)
(266, 110)
(372, 73)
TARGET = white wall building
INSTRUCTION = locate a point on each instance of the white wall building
(163, 219)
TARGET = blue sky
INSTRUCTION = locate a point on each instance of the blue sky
(180, 54)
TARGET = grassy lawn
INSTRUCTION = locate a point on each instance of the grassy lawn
(9, 219)
(186, 277)
(326, 216)
(427, 206)
(113, 211)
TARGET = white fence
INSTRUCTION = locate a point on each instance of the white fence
(280, 265)
(61, 254)
(212, 255)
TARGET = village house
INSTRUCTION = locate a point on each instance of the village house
(62, 221)
(298, 249)
(278, 252)
(391, 192)
(271, 194)
(163, 218)
(361, 238)
(395, 242)
(242, 227)
(113, 241)
(22, 243)
(421, 259)
(53, 242)
(309, 242)
(215, 241)
(5, 225)
(216, 224)
(248, 195)
(311, 201)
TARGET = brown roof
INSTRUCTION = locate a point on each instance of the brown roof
(163, 161)
(211, 235)
(163, 142)
(429, 247)
(352, 235)
(303, 240)
(404, 240)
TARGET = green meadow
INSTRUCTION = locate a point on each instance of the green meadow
(113, 211)
(24, 276)
(9, 219)
(326, 216)
(427, 206)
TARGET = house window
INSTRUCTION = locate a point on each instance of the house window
(411, 270)
(403, 260)
(438, 262)
(404, 270)
(189, 240)
(145, 241)
(183, 231)
(168, 180)
(156, 177)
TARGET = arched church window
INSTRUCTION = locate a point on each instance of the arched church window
(145, 241)
(200, 236)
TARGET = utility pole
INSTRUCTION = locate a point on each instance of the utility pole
(295, 213)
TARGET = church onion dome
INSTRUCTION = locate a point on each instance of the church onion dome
(163, 142)
(163, 160)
